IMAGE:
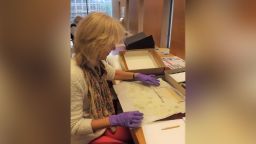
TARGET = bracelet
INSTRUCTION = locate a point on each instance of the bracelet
(133, 76)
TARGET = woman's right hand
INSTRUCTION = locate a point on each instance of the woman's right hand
(128, 119)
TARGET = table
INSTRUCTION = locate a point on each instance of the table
(137, 133)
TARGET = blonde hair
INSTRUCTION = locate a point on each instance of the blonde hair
(77, 19)
(96, 34)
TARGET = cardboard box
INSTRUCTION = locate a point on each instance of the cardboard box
(173, 82)
(145, 61)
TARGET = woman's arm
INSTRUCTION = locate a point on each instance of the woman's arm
(100, 124)
(122, 75)
(146, 79)
(130, 119)
(79, 124)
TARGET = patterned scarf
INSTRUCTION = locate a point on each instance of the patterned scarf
(99, 96)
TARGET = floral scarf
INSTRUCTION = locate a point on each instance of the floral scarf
(99, 95)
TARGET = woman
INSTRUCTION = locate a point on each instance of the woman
(93, 118)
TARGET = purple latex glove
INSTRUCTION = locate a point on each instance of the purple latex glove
(147, 79)
(128, 119)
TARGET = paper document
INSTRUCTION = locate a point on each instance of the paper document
(179, 77)
(165, 132)
(155, 102)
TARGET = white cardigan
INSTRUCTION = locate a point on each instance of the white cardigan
(81, 129)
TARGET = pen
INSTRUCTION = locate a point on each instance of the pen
(170, 127)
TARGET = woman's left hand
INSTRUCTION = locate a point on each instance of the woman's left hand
(147, 79)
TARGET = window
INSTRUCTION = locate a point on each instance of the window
(73, 9)
(79, 8)
(83, 7)
(79, 1)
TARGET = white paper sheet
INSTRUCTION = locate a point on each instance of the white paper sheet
(155, 102)
(179, 77)
(139, 60)
(154, 134)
